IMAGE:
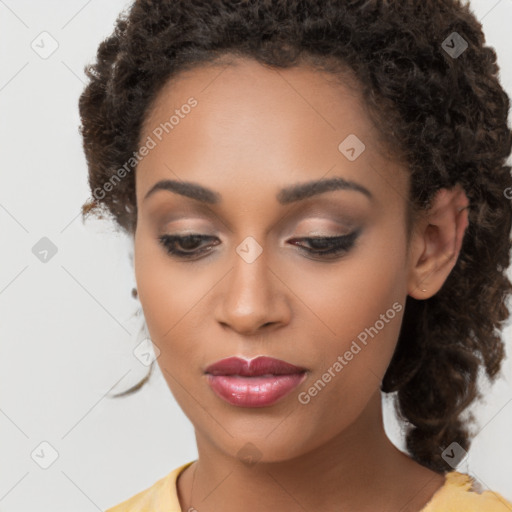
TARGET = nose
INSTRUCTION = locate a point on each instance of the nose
(253, 298)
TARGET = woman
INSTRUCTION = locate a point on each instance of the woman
(316, 192)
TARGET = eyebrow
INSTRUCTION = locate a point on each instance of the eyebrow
(290, 194)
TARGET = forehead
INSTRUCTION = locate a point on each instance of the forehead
(251, 124)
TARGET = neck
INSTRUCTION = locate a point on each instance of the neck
(355, 470)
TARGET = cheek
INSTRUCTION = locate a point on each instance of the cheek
(172, 301)
(152, 283)
(360, 308)
(166, 291)
(342, 299)
(335, 303)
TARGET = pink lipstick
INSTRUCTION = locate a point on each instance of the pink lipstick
(259, 382)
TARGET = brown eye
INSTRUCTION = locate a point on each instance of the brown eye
(324, 247)
(188, 244)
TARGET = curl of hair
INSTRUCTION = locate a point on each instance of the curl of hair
(445, 117)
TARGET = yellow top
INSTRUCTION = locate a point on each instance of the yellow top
(455, 495)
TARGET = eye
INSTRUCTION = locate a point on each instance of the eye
(188, 243)
(329, 247)
(189, 246)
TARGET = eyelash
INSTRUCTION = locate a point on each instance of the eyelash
(337, 245)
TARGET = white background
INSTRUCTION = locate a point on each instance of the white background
(68, 326)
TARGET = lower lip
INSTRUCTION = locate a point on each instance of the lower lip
(254, 391)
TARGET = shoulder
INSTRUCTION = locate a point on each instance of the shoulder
(162, 496)
(461, 493)
(144, 500)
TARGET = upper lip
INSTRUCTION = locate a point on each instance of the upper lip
(261, 365)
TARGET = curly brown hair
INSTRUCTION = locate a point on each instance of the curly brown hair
(442, 113)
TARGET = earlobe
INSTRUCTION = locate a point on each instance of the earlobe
(437, 241)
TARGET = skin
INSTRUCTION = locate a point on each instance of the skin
(254, 131)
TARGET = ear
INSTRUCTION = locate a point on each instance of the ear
(436, 242)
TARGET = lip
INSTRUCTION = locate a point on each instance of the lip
(260, 365)
(259, 382)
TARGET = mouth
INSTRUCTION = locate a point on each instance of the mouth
(260, 382)
(259, 366)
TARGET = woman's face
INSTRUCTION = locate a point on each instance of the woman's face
(250, 135)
